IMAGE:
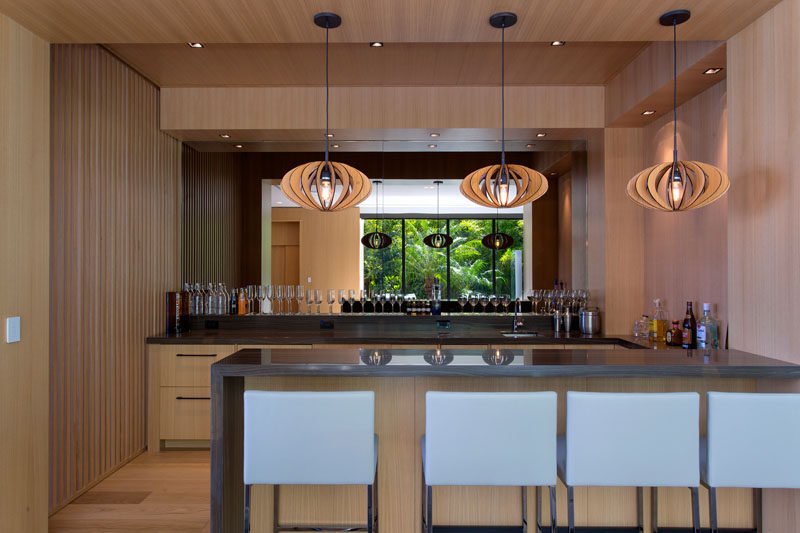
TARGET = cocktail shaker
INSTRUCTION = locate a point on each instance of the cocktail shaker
(557, 321)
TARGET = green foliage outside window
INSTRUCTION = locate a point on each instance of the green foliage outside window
(471, 264)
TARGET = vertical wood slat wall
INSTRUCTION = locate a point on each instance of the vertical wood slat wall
(211, 243)
(115, 236)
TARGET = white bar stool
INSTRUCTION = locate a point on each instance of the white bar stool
(311, 438)
(753, 442)
(495, 439)
(631, 440)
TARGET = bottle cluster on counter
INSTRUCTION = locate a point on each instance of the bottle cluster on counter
(688, 333)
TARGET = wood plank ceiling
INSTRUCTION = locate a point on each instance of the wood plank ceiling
(282, 21)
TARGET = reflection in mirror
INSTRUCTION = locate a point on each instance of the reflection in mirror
(498, 357)
(438, 357)
(375, 357)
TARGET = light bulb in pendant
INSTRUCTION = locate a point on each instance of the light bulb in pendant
(676, 187)
(498, 241)
(376, 240)
(503, 187)
(325, 189)
(437, 241)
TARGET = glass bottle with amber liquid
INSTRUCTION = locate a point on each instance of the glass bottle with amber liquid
(674, 335)
(689, 329)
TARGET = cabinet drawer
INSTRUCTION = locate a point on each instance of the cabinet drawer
(590, 346)
(188, 366)
(185, 413)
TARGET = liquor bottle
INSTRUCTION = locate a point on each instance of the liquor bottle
(346, 308)
(658, 322)
(674, 335)
(197, 300)
(404, 306)
(233, 305)
(689, 329)
(185, 303)
(242, 308)
(707, 329)
(397, 305)
(358, 307)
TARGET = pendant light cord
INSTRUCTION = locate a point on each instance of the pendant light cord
(674, 91)
(503, 96)
(327, 92)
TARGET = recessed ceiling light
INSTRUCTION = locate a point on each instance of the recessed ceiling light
(195, 45)
(529, 146)
(237, 146)
(376, 44)
(554, 173)
(335, 146)
(225, 135)
(558, 43)
(712, 70)
(648, 112)
(330, 135)
(431, 146)
(434, 134)
(541, 134)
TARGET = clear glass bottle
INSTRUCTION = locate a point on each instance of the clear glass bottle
(641, 328)
(197, 300)
(658, 322)
(707, 329)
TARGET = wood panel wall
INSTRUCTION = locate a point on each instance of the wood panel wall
(24, 275)
(211, 240)
(686, 253)
(763, 215)
(115, 219)
(565, 228)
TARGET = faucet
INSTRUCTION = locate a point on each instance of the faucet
(518, 323)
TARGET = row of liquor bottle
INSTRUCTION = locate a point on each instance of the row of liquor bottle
(690, 334)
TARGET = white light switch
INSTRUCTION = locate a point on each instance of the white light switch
(309, 279)
(12, 329)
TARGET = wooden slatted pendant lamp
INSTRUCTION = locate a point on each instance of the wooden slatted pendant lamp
(677, 185)
(326, 185)
(438, 239)
(503, 185)
(376, 240)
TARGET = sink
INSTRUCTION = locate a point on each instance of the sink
(521, 335)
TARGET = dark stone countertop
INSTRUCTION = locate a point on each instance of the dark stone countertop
(503, 363)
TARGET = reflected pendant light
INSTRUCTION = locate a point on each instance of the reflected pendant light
(498, 241)
(325, 185)
(438, 239)
(677, 185)
(376, 240)
(503, 185)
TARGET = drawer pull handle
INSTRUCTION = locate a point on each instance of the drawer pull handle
(192, 398)
(195, 355)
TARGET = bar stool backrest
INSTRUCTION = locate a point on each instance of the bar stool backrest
(633, 439)
(753, 440)
(324, 438)
(488, 438)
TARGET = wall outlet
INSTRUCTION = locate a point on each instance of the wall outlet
(12, 329)
(308, 279)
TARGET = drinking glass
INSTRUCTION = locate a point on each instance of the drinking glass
(288, 295)
(383, 302)
(362, 297)
(318, 299)
(309, 300)
(374, 298)
(351, 295)
(505, 300)
(279, 297)
(299, 294)
(484, 302)
(269, 295)
(331, 300)
(531, 296)
(462, 301)
(342, 299)
(260, 298)
(392, 301)
(493, 301)
(473, 302)
(548, 299)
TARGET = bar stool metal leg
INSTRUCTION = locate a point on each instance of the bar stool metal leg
(553, 524)
(571, 509)
(275, 501)
(429, 505)
(247, 509)
(757, 497)
(654, 509)
(695, 509)
(712, 508)
(640, 508)
(369, 508)
(375, 499)
(525, 510)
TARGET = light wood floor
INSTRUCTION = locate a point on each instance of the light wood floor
(168, 492)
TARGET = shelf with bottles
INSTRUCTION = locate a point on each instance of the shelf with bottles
(688, 333)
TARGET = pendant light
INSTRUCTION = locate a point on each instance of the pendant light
(677, 185)
(503, 185)
(438, 239)
(326, 185)
(497, 241)
(376, 240)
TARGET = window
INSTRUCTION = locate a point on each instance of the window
(408, 266)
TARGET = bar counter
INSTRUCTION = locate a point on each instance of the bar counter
(400, 379)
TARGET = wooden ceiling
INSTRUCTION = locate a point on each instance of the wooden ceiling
(290, 21)
(403, 64)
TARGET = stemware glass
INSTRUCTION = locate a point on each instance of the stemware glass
(462, 301)
(289, 296)
(260, 299)
(279, 297)
(318, 299)
(331, 300)
(392, 301)
(299, 294)
(383, 302)
(269, 295)
(531, 296)
(547, 298)
(362, 298)
(351, 296)
(493, 301)
(484, 302)
(473, 302)
(505, 300)
(342, 299)
(309, 300)
(374, 298)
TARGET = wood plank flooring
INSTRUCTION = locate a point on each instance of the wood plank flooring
(167, 492)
